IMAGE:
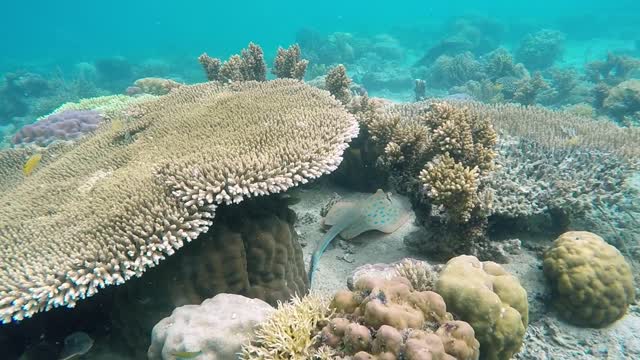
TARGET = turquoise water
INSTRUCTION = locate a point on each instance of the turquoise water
(70, 70)
(50, 34)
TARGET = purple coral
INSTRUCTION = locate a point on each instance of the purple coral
(66, 125)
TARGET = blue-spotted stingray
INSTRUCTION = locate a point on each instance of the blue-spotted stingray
(349, 219)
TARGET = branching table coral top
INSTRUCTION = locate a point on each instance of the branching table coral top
(100, 211)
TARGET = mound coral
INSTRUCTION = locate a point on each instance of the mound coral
(215, 329)
(153, 86)
(541, 49)
(591, 281)
(387, 319)
(65, 125)
(106, 209)
(490, 300)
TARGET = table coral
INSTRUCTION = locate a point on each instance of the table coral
(159, 192)
(591, 281)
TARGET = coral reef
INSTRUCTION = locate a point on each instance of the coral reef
(288, 63)
(448, 71)
(126, 198)
(215, 329)
(110, 106)
(65, 125)
(337, 83)
(541, 49)
(591, 281)
(613, 70)
(528, 89)
(247, 66)
(490, 299)
(414, 139)
(251, 250)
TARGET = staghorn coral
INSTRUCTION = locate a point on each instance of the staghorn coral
(291, 331)
(159, 193)
(490, 299)
(337, 83)
(65, 125)
(288, 64)
(554, 129)
(247, 66)
(499, 63)
(591, 281)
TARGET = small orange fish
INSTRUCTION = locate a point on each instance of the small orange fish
(31, 164)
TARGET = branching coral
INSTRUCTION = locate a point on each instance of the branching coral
(288, 64)
(249, 65)
(451, 185)
(449, 71)
(528, 89)
(291, 332)
(158, 192)
(612, 71)
(337, 83)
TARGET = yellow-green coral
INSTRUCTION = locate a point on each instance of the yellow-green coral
(592, 282)
(291, 332)
(452, 185)
(490, 299)
(337, 83)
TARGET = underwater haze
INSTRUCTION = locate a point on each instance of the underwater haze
(317, 180)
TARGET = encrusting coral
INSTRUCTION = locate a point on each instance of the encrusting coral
(591, 281)
(490, 299)
(125, 198)
(288, 63)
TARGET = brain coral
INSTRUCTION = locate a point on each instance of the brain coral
(120, 201)
(592, 282)
(65, 125)
(490, 299)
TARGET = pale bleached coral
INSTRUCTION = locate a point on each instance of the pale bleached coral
(185, 154)
(291, 331)
(156, 86)
(110, 106)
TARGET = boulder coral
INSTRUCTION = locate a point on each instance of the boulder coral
(215, 329)
(388, 319)
(65, 125)
(490, 299)
(591, 281)
(106, 209)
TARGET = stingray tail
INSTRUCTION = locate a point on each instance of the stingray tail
(326, 240)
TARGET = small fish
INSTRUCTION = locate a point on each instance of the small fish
(31, 164)
(186, 354)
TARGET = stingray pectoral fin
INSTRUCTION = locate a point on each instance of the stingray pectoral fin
(324, 243)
